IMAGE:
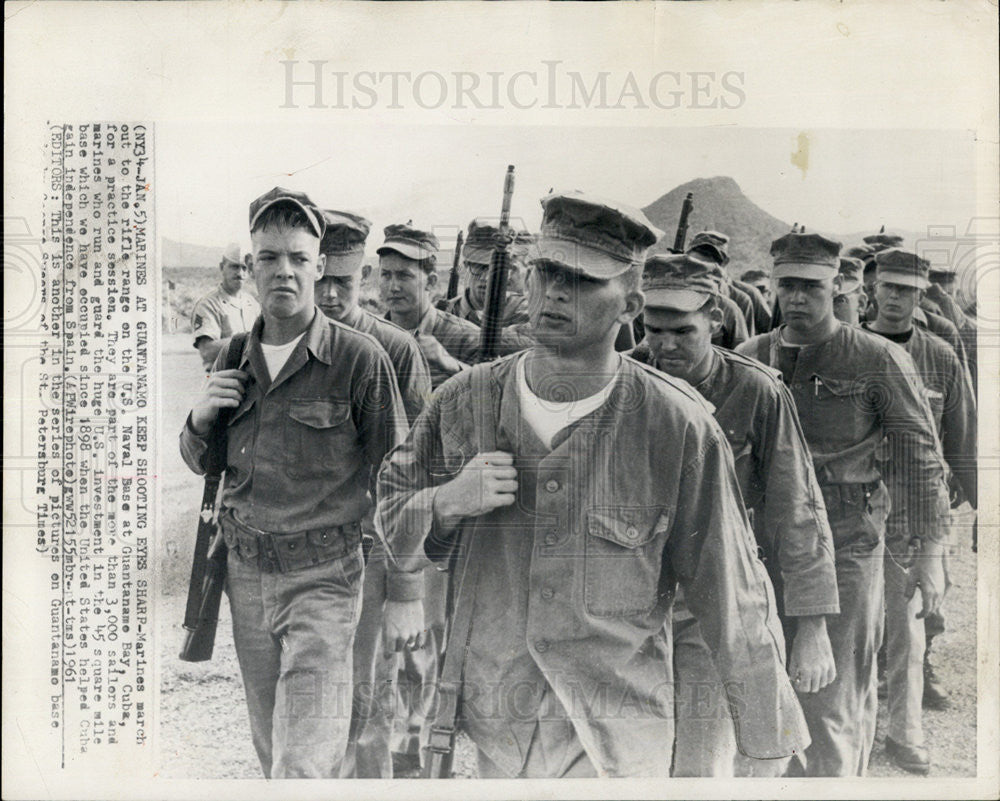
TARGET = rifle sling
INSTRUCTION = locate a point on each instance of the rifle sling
(442, 734)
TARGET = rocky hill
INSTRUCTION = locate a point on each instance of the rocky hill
(720, 205)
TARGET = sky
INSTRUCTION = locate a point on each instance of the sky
(441, 176)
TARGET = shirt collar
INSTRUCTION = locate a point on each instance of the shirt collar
(318, 339)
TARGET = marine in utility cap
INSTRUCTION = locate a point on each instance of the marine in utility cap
(850, 302)
(386, 609)
(714, 246)
(319, 409)
(477, 254)
(839, 377)
(679, 281)
(547, 578)
(407, 281)
(755, 411)
(902, 281)
(226, 310)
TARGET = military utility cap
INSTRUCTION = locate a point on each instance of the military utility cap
(597, 237)
(850, 272)
(404, 239)
(883, 241)
(864, 252)
(810, 256)
(942, 268)
(711, 244)
(344, 242)
(679, 281)
(481, 237)
(232, 254)
(299, 199)
(898, 266)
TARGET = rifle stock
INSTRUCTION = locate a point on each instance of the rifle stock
(682, 224)
(496, 292)
(456, 261)
(208, 568)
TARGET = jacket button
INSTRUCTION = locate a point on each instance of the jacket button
(291, 546)
(631, 532)
(551, 539)
(551, 485)
(542, 646)
(548, 593)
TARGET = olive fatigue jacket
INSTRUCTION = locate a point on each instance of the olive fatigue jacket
(851, 391)
(757, 414)
(303, 448)
(571, 587)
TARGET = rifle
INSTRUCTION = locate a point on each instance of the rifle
(682, 223)
(208, 569)
(496, 291)
(453, 278)
(444, 301)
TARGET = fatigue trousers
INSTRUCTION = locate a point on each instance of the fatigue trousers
(841, 716)
(555, 750)
(905, 645)
(293, 634)
(416, 681)
(368, 755)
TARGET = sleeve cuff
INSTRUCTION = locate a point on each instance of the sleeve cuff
(401, 586)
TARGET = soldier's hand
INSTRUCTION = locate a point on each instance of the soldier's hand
(811, 666)
(403, 626)
(928, 573)
(222, 390)
(437, 357)
(487, 482)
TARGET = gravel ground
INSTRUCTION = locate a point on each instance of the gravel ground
(203, 730)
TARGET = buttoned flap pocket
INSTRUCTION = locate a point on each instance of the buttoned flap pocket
(239, 439)
(837, 406)
(320, 438)
(622, 559)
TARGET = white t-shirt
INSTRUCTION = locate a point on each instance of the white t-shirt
(548, 418)
(277, 355)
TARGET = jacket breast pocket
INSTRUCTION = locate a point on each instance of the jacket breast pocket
(622, 559)
(320, 438)
(838, 403)
(239, 434)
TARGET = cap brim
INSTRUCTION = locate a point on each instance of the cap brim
(318, 227)
(407, 249)
(477, 255)
(812, 272)
(340, 264)
(903, 279)
(848, 286)
(685, 300)
(580, 259)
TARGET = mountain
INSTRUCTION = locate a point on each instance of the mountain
(184, 254)
(720, 205)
